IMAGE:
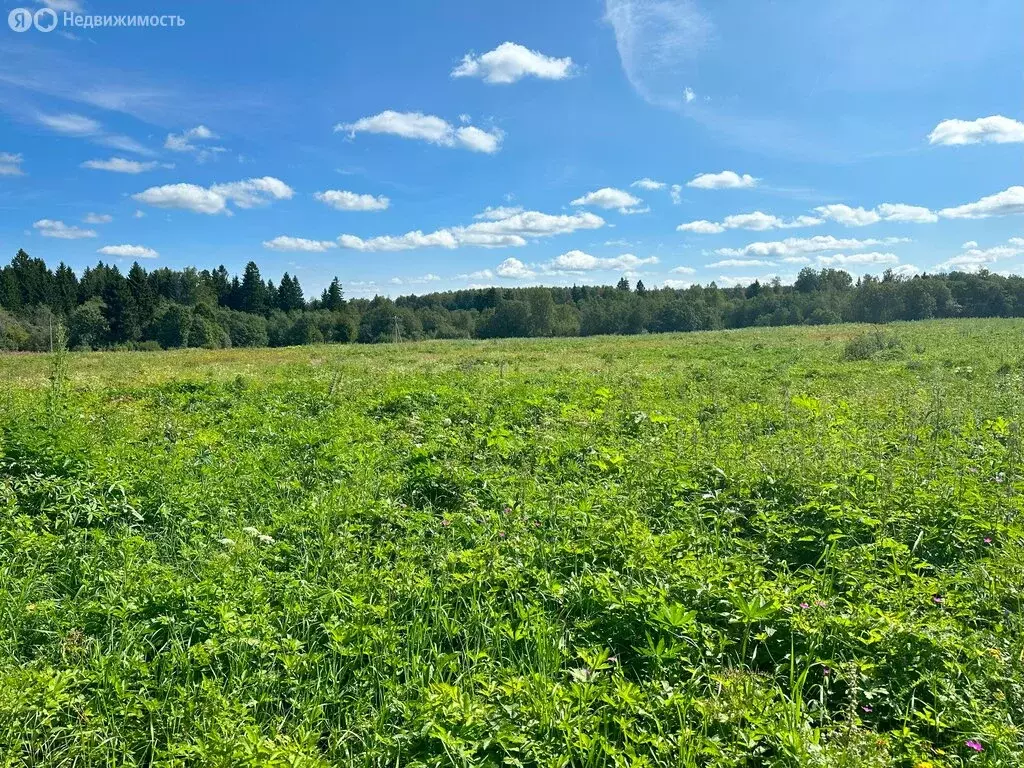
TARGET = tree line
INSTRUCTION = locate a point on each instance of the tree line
(166, 308)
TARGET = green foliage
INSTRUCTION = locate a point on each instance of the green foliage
(867, 345)
(680, 550)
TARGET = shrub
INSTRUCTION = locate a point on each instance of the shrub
(868, 345)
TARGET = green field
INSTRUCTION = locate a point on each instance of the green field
(711, 549)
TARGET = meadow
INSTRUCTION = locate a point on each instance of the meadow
(794, 546)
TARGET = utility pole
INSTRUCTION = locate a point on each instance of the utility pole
(398, 333)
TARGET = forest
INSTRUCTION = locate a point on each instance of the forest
(165, 308)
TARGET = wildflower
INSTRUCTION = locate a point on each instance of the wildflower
(226, 542)
(265, 539)
(826, 671)
(975, 745)
(501, 534)
(446, 522)
(866, 708)
(613, 659)
(250, 531)
(988, 539)
(938, 599)
(507, 510)
(1000, 477)
(821, 603)
(805, 606)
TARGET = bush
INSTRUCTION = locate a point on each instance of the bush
(868, 345)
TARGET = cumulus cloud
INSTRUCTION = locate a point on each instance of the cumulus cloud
(119, 165)
(514, 268)
(860, 217)
(677, 194)
(647, 183)
(129, 251)
(741, 263)
(248, 193)
(578, 261)
(1009, 201)
(683, 271)
(677, 284)
(973, 258)
(288, 244)
(498, 212)
(187, 141)
(429, 128)
(60, 230)
(795, 246)
(689, 95)
(510, 62)
(10, 164)
(513, 230)
(994, 129)
(608, 198)
(341, 200)
(756, 221)
(857, 259)
(98, 218)
(723, 180)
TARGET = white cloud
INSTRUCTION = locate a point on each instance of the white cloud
(677, 284)
(498, 212)
(1009, 201)
(689, 95)
(124, 143)
(974, 258)
(858, 259)
(429, 128)
(483, 274)
(608, 198)
(427, 278)
(139, 215)
(913, 214)
(253, 192)
(701, 227)
(285, 243)
(186, 142)
(578, 261)
(861, 217)
(71, 124)
(795, 246)
(129, 251)
(851, 217)
(341, 200)
(189, 197)
(98, 218)
(60, 230)
(648, 184)
(683, 271)
(723, 180)
(514, 268)
(676, 192)
(994, 129)
(513, 230)
(741, 263)
(656, 41)
(969, 244)
(119, 165)
(510, 62)
(905, 270)
(756, 221)
(61, 5)
(479, 140)
(10, 164)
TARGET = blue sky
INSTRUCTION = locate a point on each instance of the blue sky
(409, 147)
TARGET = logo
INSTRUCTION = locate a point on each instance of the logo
(22, 19)
(45, 19)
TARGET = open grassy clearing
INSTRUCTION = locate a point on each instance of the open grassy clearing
(728, 548)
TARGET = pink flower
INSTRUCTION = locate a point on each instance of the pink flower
(446, 522)
(507, 510)
(501, 534)
(805, 606)
(988, 539)
(938, 599)
(866, 708)
(975, 745)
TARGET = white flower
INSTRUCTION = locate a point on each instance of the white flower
(226, 542)
(250, 531)
(265, 539)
